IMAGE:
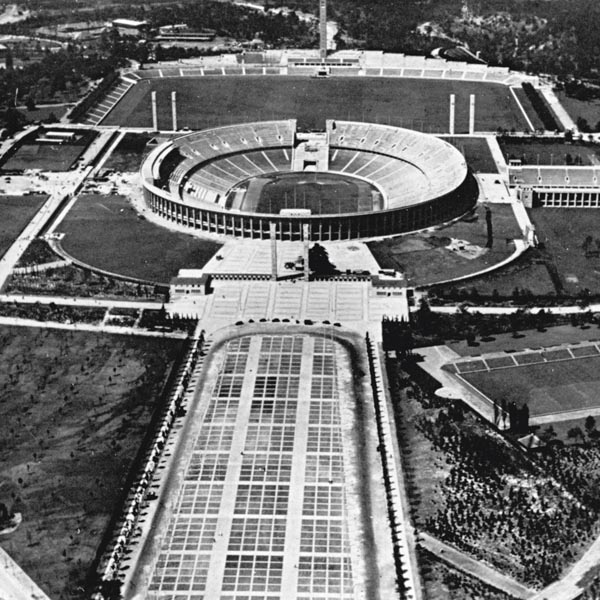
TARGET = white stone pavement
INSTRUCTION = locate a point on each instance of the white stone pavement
(15, 584)
(334, 301)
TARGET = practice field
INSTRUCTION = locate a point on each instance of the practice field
(106, 232)
(321, 193)
(46, 156)
(560, 385)
(16, 212)
(421, 104)
(75, 407)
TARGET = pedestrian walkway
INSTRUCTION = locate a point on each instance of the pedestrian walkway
(573, 584)
(476, 568)
(343, 302)
(435, 357)
(15, 584)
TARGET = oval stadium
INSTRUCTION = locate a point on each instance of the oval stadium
(351, 180)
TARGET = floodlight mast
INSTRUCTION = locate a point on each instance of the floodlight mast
(323, 29)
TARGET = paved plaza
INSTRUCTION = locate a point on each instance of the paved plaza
(269, 505)
(348, 302)
(254, 256)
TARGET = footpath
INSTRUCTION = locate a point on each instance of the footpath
(481, 571)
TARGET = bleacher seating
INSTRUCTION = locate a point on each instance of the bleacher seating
(108, 100)
(407, 165)
(218, 159)
(558, 176)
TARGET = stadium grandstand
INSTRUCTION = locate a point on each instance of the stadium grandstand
(383, 180)
(556, 186)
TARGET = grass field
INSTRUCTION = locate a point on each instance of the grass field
(559, 267)
(74, 407)
(321, 193)
(107, 233)
(428, 257)
(476, 152)
(563, 232)
(128, 155)
(48, 157)
(16, 212)
(528, 272)
(420, 104)
(550, 387)
(590, 110)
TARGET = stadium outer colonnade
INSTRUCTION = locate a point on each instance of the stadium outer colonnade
(322, 228)
(450, 191)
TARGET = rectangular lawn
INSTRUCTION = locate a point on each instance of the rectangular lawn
(47, 156)
(16, 212)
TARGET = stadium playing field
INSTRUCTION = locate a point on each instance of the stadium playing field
(546, 387)
(420, 104)
(321, 193)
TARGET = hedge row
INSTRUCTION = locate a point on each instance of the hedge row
(540, 107)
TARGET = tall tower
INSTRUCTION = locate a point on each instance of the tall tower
(323, 29)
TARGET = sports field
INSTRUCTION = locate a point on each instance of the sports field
(546, 387)
(48, 157)
(321, 193)
(420, 104)
(106, 232)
